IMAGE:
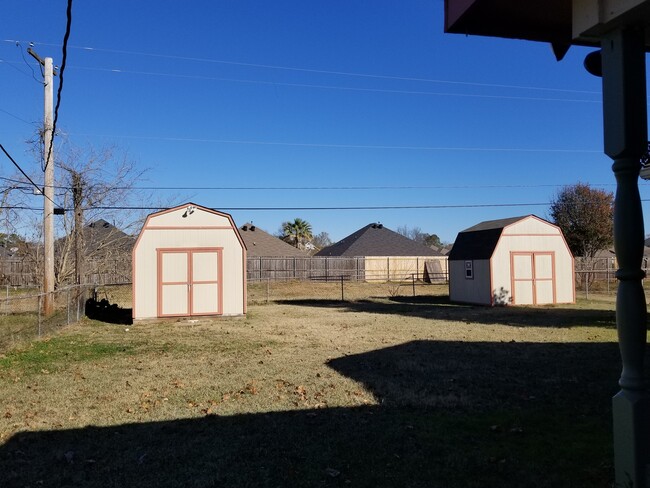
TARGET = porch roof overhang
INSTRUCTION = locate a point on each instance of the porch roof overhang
(558, 22)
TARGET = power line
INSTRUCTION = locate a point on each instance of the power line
(22, 54)
(365, 207)
(318, 71)
(345, 188)
(343, 146)
(336, 87)
(12, 65)
(15, 116)
(334, 208)
(334, 188)
(24, 174)
(64, 57)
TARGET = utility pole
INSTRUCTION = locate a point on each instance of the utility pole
(77, 202)
(48, 190)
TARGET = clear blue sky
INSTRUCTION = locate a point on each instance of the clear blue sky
(301, 94)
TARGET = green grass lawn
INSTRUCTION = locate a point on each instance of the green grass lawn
(381, 392)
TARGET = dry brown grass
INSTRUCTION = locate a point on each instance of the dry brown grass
(317, 381)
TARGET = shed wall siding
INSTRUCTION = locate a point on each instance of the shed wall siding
(476, 290)
(531, 226)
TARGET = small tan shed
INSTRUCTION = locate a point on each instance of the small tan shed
(189, 261)
(519, 261)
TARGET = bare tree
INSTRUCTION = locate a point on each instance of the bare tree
(97, 184)
(416, 234)
(321, 240)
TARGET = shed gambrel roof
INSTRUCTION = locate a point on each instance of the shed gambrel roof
(480, 240)
(263, 244)
(376, 240)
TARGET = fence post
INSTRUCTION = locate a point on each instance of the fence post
(413, 280)
(40, 304)
(587, 285)
(342, 296)
(268, 285)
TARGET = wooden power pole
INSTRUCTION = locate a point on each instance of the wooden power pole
(48, 190)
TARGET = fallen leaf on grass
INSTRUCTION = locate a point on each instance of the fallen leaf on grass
(332, 472)
(301, 392)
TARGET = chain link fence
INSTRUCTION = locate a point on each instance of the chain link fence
(22, 318)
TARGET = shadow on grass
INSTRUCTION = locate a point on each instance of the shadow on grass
(440, 308)
(451, 415)
(104, 311)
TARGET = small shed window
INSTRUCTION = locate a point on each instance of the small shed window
(469, 270)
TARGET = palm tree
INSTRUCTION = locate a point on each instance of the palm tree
(297, 232)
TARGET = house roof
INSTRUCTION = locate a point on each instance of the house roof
(376, 240)
(480, 240)
(260, 243)
(100, 236)
(100, 233)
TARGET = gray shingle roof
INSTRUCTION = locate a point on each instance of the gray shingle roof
(495, 224)
(260, 243)
(377, 240)
(480, 240)
(100, 234)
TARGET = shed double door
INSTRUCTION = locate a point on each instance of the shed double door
(189, 282)
(533, 278)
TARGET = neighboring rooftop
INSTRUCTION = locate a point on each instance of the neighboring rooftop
(101, 233)
(262, 244)
(376, 240)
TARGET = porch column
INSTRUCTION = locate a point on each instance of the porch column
(625, 127)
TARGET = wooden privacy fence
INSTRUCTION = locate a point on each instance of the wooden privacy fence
(308, 268)
(19, 272)
(372, 268)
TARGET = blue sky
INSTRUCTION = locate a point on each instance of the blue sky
(294, 95)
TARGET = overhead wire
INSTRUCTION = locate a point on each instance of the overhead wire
(343, 146)
(317, 71)
(25, 174)
(20, 48)
(15, 116)
(12, 65)
(337, 87)
(333, 208)
(64, 57)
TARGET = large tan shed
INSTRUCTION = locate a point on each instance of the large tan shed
(518, 261)
(189, 261)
